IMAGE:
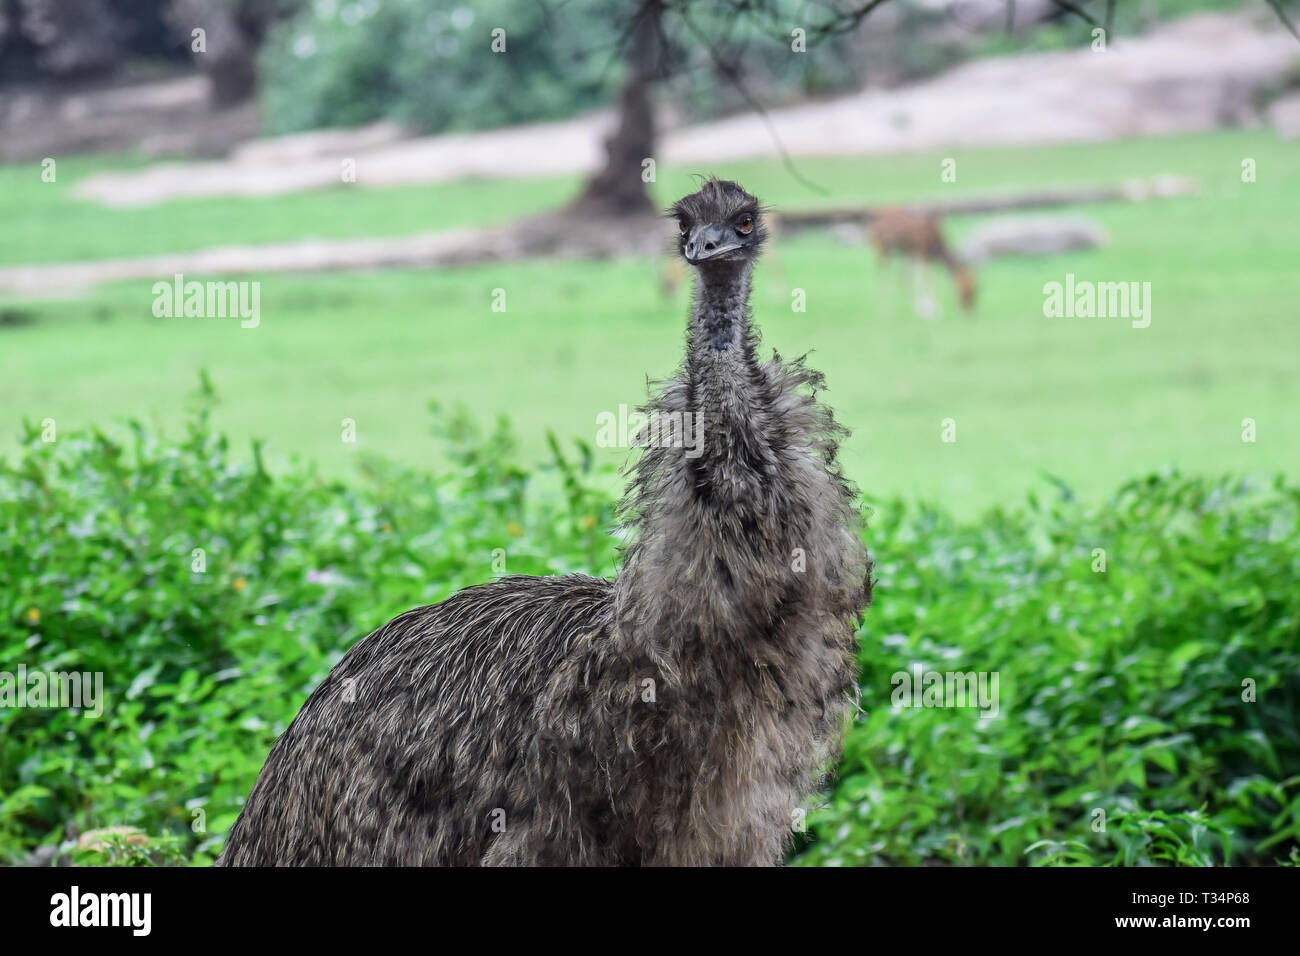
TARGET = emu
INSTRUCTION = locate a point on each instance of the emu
(900, 232)
(673, 716)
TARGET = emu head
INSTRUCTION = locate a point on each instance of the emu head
(719, 225)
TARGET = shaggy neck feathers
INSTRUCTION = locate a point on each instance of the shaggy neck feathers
(720, 313)
(712, 529)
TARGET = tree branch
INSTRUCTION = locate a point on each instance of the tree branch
(1282, 15)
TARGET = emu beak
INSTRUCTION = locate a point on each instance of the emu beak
(708, 242)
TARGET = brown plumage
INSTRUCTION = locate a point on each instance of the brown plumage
(673, 716)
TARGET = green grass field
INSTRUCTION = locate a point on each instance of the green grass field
(1090, 401)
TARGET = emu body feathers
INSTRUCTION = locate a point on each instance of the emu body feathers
(674, 716)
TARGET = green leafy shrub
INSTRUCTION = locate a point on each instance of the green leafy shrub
(204, 668)
(433, 66)
(1120, 691)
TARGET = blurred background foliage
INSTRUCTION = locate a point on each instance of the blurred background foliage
(421, 64)
(325, 63)
(339, 63)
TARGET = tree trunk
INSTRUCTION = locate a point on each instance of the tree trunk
(618, 188)
(229, 57)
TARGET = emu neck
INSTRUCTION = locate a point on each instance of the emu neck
(726, 389)
(722, 369)
(721, 365)
(701, 561)
(719, 332)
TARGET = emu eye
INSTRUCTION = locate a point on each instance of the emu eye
(684, 227)
(745, 226)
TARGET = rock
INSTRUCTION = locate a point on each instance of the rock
(848, 233)
(1284, 115)
(42, 856)
(1032, 236)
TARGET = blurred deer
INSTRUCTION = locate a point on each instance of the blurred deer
(919, 239)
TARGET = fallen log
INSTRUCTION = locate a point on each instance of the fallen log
(549, 235)
(1132, 190)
